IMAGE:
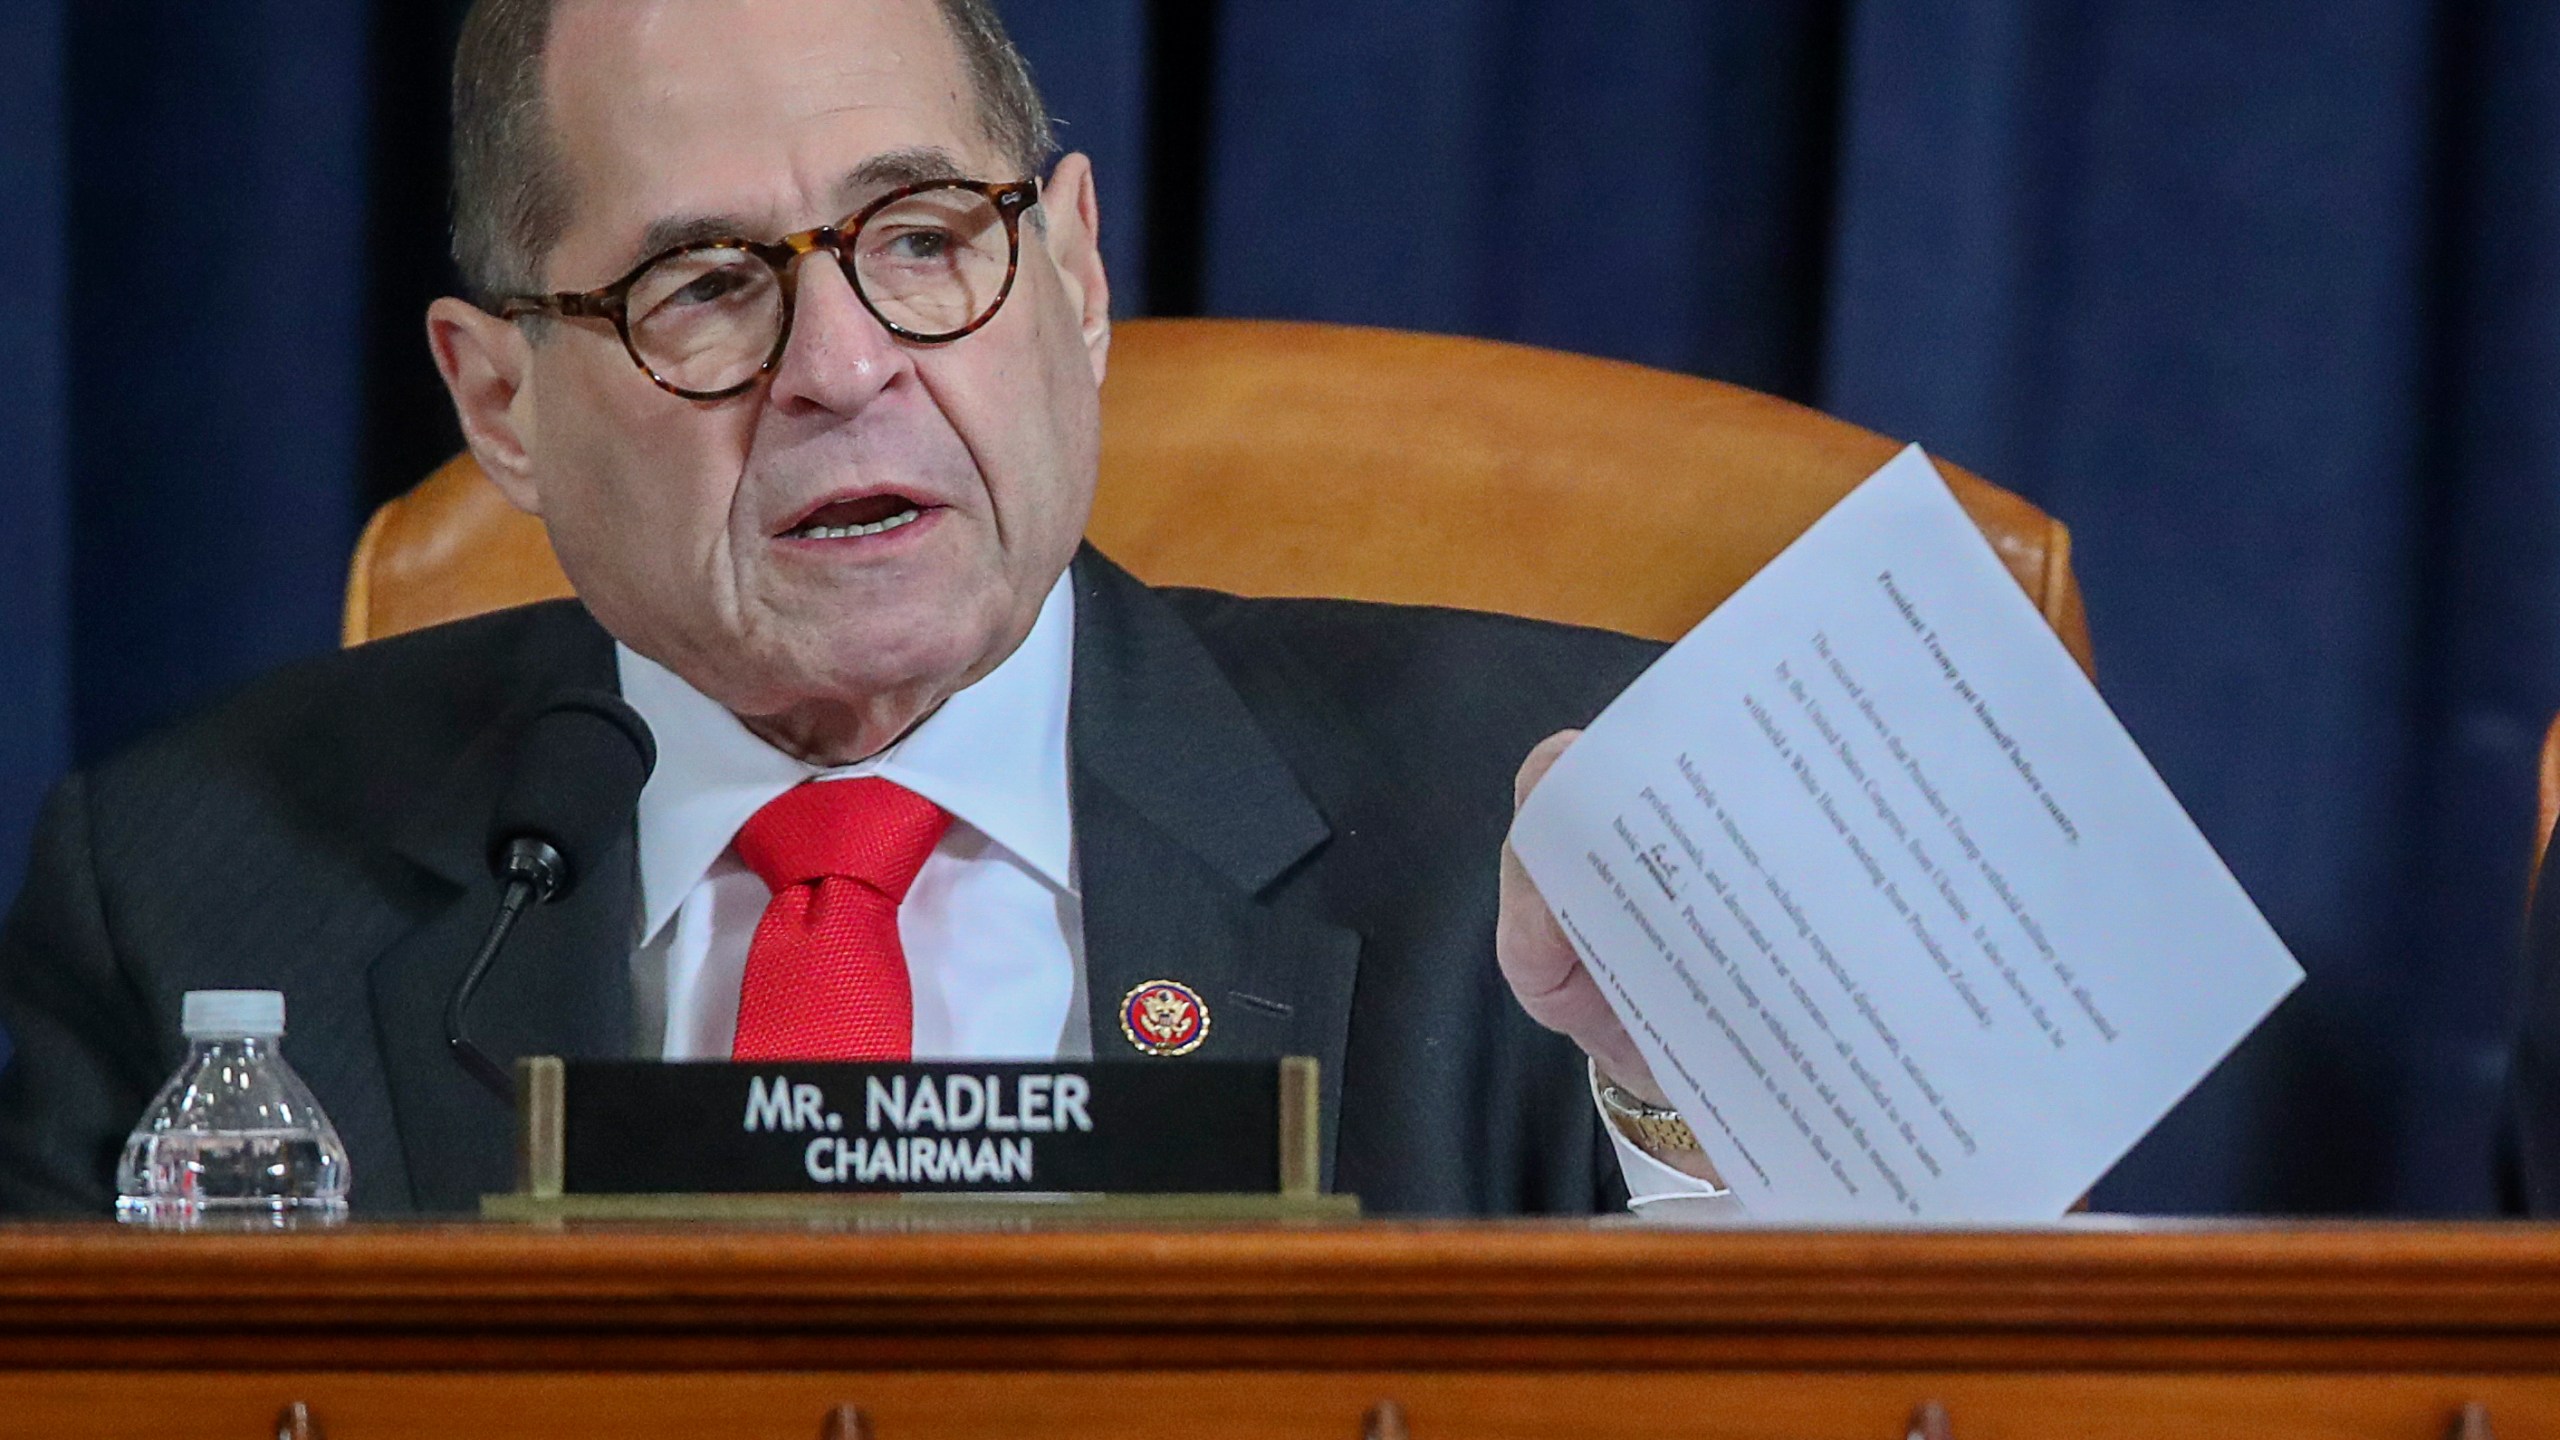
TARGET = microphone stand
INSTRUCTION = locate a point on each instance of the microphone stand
(535, 873)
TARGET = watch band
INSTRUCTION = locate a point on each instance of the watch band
(1653, 1127)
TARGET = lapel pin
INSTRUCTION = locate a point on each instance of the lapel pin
(1164, 1017)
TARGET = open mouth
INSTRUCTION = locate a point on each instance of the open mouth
(854, 519)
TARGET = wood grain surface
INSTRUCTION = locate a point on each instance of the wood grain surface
(1613, 1331)
(1359, 1296)
(1274, 1405)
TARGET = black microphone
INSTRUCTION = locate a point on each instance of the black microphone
(575, 781)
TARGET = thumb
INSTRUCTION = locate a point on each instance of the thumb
(1542, 758)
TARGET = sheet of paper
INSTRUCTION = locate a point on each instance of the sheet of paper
(1905, 924)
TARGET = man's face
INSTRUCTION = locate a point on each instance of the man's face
(686, 525)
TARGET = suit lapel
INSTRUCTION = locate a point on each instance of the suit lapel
(562, 987)
(1186, 817)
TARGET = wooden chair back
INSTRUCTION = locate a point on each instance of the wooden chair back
(1268, 458)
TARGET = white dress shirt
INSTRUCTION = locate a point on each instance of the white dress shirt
(994, 926)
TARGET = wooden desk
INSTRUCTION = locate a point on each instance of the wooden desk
(1515, 1331)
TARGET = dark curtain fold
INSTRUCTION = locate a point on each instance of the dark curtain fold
(217, 191)
(2261, 299)
(1646, 179)
(2487, 630)
(35, 559)
(2168, 271)
(1095, 61)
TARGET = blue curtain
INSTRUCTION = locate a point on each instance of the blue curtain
(217, 187)
(35, 641)
(182, 394)
(1093, 58)
(2171, 272)
(2263, 299)
(2259, 298)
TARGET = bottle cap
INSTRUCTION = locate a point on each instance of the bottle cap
(233, 1014)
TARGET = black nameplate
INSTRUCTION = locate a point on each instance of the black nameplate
(638, 1127)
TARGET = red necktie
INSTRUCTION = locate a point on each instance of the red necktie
(826, 976)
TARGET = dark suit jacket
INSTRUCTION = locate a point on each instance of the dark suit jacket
(1293, 806)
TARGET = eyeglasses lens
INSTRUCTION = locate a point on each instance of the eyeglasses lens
(705, 319)
(932, 265)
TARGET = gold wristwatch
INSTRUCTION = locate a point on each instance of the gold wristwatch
(1654, 1128)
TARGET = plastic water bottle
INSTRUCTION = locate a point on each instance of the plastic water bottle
(234, 1137)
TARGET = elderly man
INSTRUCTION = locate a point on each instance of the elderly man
(777, 329)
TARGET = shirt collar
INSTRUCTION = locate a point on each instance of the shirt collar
(994, 756)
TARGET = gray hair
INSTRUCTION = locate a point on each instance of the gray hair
(511, 197)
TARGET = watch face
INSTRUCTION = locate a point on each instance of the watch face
(1625, 1103)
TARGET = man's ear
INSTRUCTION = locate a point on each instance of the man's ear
(1074, 224)
(487, 365)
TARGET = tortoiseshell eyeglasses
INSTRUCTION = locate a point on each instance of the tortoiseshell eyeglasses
(708, 319)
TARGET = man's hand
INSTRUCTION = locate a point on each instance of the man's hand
(1550, 979)
(1541, 966)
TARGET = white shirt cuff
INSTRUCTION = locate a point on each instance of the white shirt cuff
(1658, 1192)
(1655, 1190)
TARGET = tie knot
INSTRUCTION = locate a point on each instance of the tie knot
(867, 829)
